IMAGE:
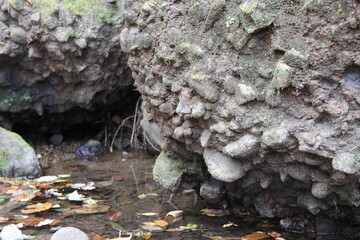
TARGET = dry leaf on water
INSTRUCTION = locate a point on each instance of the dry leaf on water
(265, 225)
(214, 212)
(274, 234)
(255, 236)
(161, 223)
(114, 215)
(89, 210)
(95, 236)
(39, 207)
(173, 216)
(148, 214)
(29, 221)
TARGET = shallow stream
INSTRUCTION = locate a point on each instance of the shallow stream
(124, 181)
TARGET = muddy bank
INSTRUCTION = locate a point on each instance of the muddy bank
(258, 100)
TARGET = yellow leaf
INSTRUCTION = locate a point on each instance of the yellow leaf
(146, 236)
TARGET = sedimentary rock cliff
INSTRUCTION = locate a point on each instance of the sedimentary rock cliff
(264, 95)
(59, 55)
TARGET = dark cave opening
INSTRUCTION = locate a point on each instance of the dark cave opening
(77, 124)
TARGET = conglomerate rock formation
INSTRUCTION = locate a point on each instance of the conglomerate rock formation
(55, 58)
(256, 101)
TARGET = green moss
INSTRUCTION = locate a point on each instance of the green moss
(8, 101)
(197, 77)
(190, 48)
(3, 158)
(229, 21)
(98, 10)
(249, 6)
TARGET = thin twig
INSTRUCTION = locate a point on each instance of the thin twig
(136, 181)
(148, 141)
(117, 131)
(134, 123)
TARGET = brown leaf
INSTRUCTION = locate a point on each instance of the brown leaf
(173, 216)
(44, 165)
(29, 221)
(214, 212)
(39, 207)
(29, 1)
(95, 236)
(265, 225)
(119, 177)
(255, 236)
(114, 215)
(45, 186)
(175, 229)
(274, 234)
(92, 209)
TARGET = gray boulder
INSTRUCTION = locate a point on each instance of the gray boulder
(222, 167)
(67, 233)
(244, 147)
(17, 158)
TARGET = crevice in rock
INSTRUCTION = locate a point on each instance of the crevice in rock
(77, 123)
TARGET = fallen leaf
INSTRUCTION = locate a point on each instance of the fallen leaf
(146, 236)
(241, 213)
(28, 221)
(214, 212)
(152, 228)
(265, 225)
(174, 229)
(255, 236)
(230, 224)
(149, 223)
(93, 209)
(116, 226)
(274, 234)
(75, 196)
(95, 236)
(161, 223)
(189, 226)
(142, 196)
(114, 215)
(64, 175)
(39, 207)
(119, 177)
(29, 1)
(46, 179)
(173, 216)
(4, 219)
(45, 222)
(45, 186)
(44, 165)
(148, 214)
(279, 238)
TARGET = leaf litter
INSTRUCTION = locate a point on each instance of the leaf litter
(63, 198)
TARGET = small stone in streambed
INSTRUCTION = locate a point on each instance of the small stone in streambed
(11, 232)
(91, 148)
(69, 233)
(56, 139)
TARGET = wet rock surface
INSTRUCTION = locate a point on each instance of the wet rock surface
(17, 158)
(285, 73)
